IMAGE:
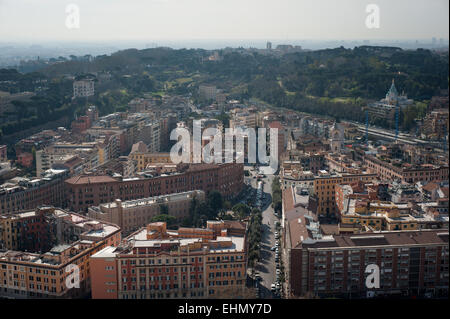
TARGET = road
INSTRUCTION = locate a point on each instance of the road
(266, 267)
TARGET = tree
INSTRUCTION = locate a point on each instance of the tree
(276, 195)
(227, 205)
(170, 220)
(241, 210)
(205, 210)
(225, 119)
(215, 200)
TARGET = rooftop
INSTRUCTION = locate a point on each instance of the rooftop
(391, 238)
(90, 179)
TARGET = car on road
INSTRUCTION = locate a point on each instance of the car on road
(273, 287)
(278, 286)
(273, 248)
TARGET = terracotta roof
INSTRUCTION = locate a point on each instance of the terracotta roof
(445, 191)
(73, 161)
(297, 229)
(288, 200)
(430, 187)
(139, 147)
(329, 229)
(276, 124)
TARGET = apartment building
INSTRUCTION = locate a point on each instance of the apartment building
(83, 88)
(325, 189)
(25, 159)
(436, 124)
(167, 123)
(45, 275)
(92, 113)
(359, 190)
(306, 143)
(36, 141)
(85, 191)
(60, 153)
(155, 263)
(150, 134)
(130, 128)
(121, 138)
(81, 124)
(384, 215)
(208, 92)
(313, 162)
(21, 193)
(134, 214)
(406, 173)
(140, 104)
(108, 147)
(411, 263)
(243, 117)
(143, 159)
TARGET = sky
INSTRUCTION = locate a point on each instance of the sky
(153, 20)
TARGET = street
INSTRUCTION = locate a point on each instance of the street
(267, 267)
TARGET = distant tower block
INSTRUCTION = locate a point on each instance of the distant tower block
(269, 46)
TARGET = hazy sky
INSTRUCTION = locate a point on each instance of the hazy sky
(44, 20)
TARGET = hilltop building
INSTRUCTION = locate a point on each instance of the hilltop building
(385, 109)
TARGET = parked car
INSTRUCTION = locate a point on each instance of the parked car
(273, 287)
